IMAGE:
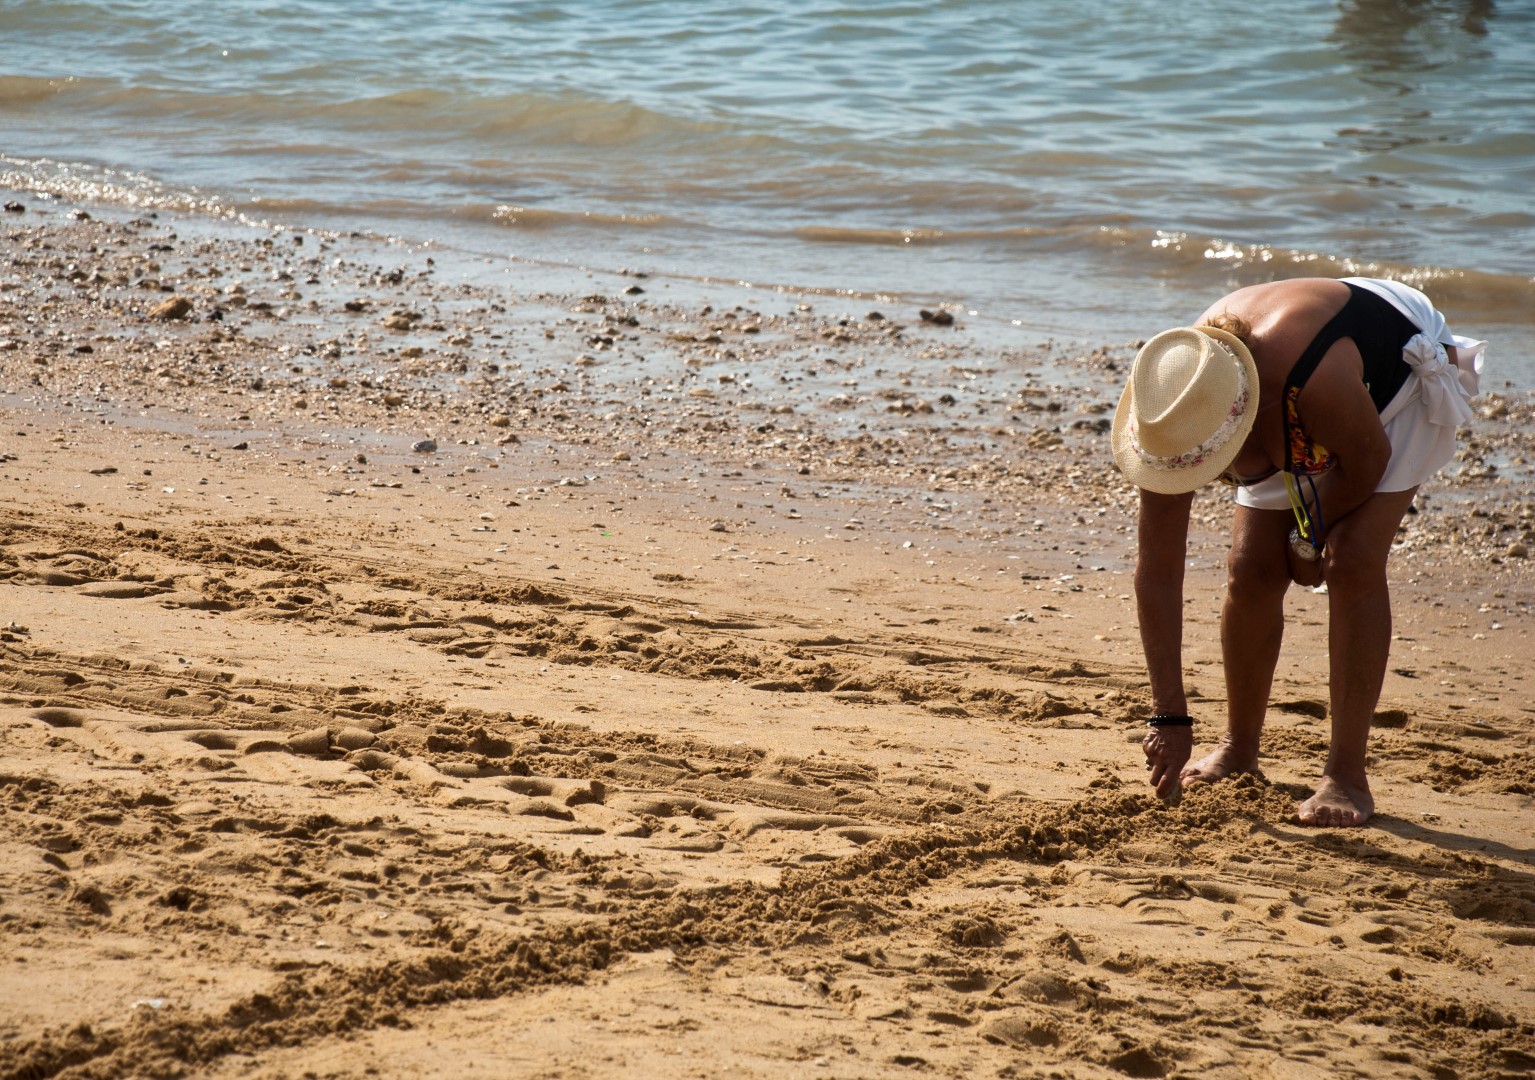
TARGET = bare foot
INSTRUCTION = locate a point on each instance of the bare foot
(1336, 803)
(1225, 760)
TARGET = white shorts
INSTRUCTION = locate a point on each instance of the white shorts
(1419, 449)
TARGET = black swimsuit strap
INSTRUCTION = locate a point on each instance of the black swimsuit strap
(1339, 326)
(1378, 329)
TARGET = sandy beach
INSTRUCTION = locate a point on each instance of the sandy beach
(417, 669)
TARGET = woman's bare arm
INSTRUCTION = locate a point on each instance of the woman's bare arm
(1161, 550)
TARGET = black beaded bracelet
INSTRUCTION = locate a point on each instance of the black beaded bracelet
(1170, 720)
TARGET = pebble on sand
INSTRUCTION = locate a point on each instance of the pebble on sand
(176, 307)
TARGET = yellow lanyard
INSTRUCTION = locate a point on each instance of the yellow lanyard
(1308, 519)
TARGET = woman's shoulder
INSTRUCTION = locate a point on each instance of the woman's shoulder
(1277, 320)
(1277, 316)
(1271, 296)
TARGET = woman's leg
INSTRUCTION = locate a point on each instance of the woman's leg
(1252, 627)
(1359, 643)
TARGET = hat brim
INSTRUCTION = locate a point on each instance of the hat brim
(1182, 481)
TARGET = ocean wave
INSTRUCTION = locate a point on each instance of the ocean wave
(81, 182)
(566, 120)
(907, 237)
(1170, 253)
(528, 217)
(85, 183)
(21, 91)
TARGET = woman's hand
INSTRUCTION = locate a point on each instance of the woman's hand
(1167, 750)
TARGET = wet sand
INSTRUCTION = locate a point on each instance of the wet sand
(412, 668)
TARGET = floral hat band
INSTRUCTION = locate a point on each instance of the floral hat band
(1187, 409)
(1221, 437)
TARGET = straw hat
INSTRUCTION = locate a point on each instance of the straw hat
(1189, 405)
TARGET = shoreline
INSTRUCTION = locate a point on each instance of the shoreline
(1112, 283)
(726, 699)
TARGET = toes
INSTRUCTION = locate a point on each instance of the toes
(1328, 817)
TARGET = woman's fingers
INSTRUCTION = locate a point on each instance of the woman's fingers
(1167, 750)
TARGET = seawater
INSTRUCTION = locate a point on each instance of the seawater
(1079, 169)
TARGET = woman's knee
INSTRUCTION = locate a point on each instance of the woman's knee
(1254, 575)
(1359, 545)
(1352, 568)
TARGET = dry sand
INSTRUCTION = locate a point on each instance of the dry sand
(744, 685)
